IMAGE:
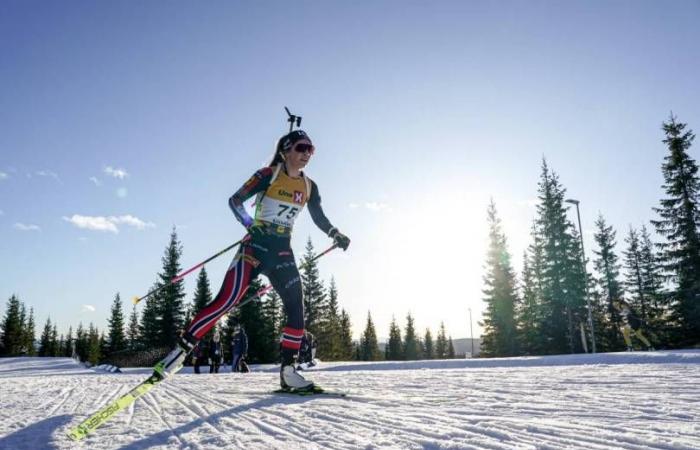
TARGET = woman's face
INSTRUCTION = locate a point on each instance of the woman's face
(300, 154)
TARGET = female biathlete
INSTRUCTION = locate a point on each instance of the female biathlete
(282, 191)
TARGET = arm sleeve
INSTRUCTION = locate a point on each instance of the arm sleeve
(316, 211)
(257, 183)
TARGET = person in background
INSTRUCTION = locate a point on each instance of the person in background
(632, 325)
(239, 349)
(216, 353)
(198, 357)
(307, 351)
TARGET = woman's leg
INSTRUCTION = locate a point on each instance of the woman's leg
(235, 284)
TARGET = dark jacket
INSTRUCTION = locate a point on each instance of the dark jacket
(239, 345)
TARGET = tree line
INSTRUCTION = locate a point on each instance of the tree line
(546, 311)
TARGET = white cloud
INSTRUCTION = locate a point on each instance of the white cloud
(3, 176)
(122, 192)
(376, 206)
(24, 227)
(96, 181)
(101, 223)
(116, 173)
(48, 173)
(87, 308)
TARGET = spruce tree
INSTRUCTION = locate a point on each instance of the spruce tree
(315, 300)
(563, 304)
(679, 224)
(202, 297)
(132, 333)
(608, 283)
(93, 345)
(171, 305)
(394, 348)
(54, 348)
(329, 339)
(410, 342)
(12, 338)
(45, 340)
(29, 334)
(347, 346)
(67, 350)
(117, 339)
(273, 317)
(500, 333)
(528, 312)
(369, 348)
(150, 326)
(252, 319)
(428, 346)
(441, 343)
(450, 348)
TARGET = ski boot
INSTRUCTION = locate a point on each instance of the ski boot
(174, 361)
(290, 379)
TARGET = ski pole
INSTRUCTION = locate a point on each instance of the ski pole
(182, 275)
(265, 289)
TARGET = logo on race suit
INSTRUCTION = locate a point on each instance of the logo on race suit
(298, 197)
(284, 193)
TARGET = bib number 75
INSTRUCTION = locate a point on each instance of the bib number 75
(290, 211)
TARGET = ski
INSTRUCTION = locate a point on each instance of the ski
(306, 393)
(107, 412)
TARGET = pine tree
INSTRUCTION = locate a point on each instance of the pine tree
(410, 342)
(608, 283)
(314, 292)
(171, 305)
(369, 348)
(30, 334)
(61, 345)
(528, 311)
(441, 343)
(54, 348)
(117, 339)
(150, 326)
(45, 340)
(347, 347)
(273, 322)
(132, 333)
(252, 319)
(679, 224)
(202, 294)
(563, 294)
(450, 349)
(329, 338)
(394, 348)
(12, 338)
(67, 350)
(82, 342)
(93, 345)
(500, 333)
(22, 327)
(428, 346)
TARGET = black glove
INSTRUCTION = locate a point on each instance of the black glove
(256, 230)
(339, 239)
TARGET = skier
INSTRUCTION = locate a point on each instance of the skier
(282, 189)
(216, 353)
(198, 356)
(307, 351)
(631, 325)
(239, 349)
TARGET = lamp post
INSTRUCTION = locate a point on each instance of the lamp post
(471, 330)
(585, 272)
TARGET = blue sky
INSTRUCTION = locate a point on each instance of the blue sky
(141, 116)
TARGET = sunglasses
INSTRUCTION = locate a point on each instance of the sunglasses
(304, 148)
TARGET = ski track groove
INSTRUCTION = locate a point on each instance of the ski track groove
(68, 392)
(147, 400)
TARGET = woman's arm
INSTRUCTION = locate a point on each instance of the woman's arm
(257, 183)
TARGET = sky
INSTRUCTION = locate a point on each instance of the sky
(122, 120)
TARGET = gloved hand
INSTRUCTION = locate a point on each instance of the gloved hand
(256, 230)
(339, 239)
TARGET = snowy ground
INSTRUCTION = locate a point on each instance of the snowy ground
(628, 401)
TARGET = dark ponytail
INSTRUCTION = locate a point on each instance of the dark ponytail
(285, 144)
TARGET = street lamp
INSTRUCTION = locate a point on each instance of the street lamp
(585, 273)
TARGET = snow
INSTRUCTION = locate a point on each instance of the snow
(639, 400)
